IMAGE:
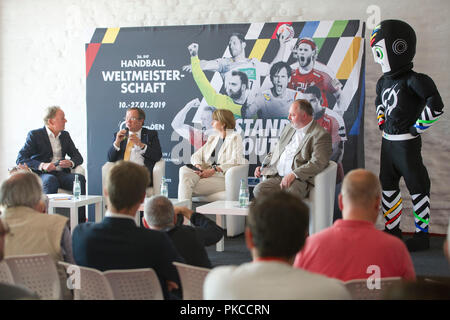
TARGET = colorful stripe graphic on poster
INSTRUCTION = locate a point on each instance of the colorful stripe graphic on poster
(255, 70)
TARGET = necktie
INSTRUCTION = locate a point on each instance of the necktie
(130, 145)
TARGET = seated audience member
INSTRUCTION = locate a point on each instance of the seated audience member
(347, 249)
(136, 143)
(45, 153)
(117, 242)
(446, 244)
(223, 150)
(276, 230)
(9, 291)
(31, 231)
(159, 214)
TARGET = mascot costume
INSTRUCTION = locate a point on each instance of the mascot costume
(407, 104)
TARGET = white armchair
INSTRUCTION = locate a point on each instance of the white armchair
(77, 170)
(159, 171)
(235, 224)
(321, 199)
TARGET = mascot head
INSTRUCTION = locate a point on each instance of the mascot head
(393, 45)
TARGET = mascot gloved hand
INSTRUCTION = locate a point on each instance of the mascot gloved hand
(407, 104)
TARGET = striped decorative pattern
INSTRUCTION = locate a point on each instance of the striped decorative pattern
(427, 119)
(421, 205)
(392, 208)
(380, 114)
(340, 49)
(101, 36)
(339, 46)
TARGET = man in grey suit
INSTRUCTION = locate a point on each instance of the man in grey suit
(303, 151)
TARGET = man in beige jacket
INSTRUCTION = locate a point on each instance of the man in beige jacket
(303, 151)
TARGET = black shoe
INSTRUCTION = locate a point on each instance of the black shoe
(419, 242)
(395, 232)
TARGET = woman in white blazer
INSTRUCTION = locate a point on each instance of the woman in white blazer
(223, 150)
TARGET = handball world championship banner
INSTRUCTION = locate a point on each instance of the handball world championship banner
(255, 70)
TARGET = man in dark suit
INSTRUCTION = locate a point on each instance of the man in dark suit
(190, 241)
(45, 153)
(117, 242)
(135, 143)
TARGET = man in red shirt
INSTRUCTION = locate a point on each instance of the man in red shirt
(352, 248)
(305, 73)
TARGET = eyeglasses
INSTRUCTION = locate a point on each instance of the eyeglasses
(132, 119)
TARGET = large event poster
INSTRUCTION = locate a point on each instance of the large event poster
(255, 70)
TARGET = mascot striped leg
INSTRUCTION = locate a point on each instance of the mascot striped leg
(392, 210)
(421, 203)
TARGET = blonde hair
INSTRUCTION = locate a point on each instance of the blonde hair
(225, 117)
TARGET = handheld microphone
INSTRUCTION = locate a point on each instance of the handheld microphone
(127, 133)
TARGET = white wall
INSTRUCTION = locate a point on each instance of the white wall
(42, 49)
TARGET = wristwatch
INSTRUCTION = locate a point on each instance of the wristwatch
(215, 167)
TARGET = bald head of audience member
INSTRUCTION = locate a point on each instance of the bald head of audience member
(360, 196)
(126, 183)
(23, 188)
(159, 213)
(277, 226)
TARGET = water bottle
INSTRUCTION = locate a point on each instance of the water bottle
(76, 188)
(243, 194)
(164, 188)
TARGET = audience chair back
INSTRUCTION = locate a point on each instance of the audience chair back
(77, 170)
(36, 272)
(134, 284)
(87, 283)
(359, 288)
(5, 274)
(321, 199)
(192, 279)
